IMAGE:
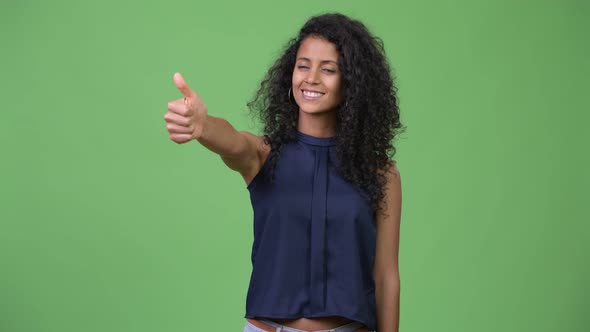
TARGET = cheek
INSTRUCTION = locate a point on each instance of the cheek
(336, 87)
(296, 79)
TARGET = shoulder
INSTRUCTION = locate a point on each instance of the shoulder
(391, 169)
(392, 191)
(392, 175)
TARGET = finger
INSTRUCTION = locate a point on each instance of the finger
(189, 105)
(178, 129)
(182, 86)
(180, 138)
(180, 107)
(178, 119)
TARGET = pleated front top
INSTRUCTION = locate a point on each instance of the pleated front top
(314, 239)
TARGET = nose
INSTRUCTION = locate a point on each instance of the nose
(313, 76)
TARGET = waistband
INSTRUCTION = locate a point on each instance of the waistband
(270, 326)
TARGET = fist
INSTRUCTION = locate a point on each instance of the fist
(186, 117)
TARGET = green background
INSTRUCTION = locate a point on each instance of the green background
(108, 225)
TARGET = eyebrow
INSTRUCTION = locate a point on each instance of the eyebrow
(323, 61)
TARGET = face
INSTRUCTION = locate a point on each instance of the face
(316, 77)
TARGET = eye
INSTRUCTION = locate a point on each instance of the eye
(302, 67)
(329, 70)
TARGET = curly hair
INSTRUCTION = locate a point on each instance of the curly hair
(367, 119)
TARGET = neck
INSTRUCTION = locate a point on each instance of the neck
(317, 125)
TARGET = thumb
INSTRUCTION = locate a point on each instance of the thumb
(182, 86)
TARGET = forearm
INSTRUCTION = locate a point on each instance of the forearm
(221, 137)
(387, 300)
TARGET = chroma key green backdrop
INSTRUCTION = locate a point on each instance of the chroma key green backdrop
(107, 225)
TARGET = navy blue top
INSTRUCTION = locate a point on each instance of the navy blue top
(314, 239)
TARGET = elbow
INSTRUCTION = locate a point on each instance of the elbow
(390, 279)
(390, 286)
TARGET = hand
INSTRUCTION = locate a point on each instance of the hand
(186, 117)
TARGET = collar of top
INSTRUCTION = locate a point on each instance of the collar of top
(319, 141)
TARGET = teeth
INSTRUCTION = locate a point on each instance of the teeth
(312, 94)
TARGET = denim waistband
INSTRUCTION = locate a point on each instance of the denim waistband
(350, 327)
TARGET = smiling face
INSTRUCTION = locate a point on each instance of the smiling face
(316, 84)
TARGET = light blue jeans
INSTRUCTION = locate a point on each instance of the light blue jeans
(350, 327)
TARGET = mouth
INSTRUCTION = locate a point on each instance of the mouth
(311, 95)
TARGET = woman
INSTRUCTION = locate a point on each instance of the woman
(325, 193)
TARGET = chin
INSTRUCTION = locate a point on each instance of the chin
(314, 111)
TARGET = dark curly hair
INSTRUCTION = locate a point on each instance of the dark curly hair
(368, 117)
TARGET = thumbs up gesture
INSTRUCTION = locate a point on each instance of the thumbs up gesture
(186, 117)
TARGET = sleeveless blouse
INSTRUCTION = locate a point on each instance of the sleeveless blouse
(314, 238)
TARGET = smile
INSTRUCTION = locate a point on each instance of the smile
(312, 94)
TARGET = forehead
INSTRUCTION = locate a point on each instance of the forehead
(317, 48)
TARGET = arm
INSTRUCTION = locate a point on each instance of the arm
(239, 150)
(385, 269)
(188, 119)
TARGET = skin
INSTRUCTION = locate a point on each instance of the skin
(386, 268)
(315, 69)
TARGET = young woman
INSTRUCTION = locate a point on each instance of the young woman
(325, 192)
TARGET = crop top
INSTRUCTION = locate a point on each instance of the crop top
(314, 238)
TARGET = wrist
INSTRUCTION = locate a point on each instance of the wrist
(205, 127)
